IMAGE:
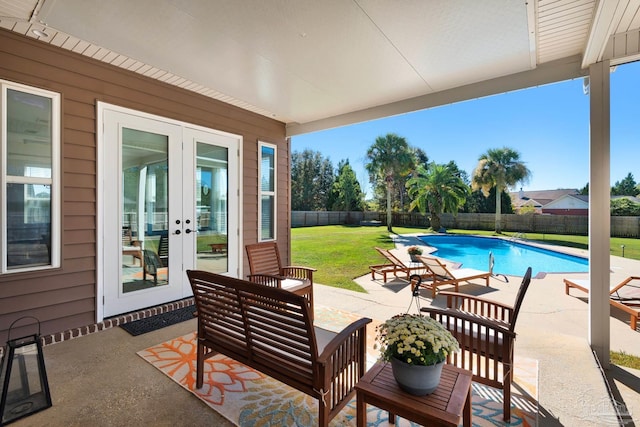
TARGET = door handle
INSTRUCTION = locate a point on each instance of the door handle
(177, 232)
(188, 230)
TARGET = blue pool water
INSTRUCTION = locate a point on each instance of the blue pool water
(511, 258)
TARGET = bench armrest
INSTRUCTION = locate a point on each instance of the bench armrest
(359, 326)
(341, 365)
(478, 306)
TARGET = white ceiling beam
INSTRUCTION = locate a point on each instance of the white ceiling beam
(551, 72)
(606, 17)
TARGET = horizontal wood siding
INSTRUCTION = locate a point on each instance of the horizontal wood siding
(284, 199)
(65, 298)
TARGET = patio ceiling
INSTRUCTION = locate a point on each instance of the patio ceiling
(320, 64)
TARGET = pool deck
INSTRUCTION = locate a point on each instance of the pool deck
(99, 380)
(552, 328)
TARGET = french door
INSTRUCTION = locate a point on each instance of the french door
(170, 203)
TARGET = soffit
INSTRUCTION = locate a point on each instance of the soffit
(318, 64)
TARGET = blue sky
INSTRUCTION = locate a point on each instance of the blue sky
(548, 125)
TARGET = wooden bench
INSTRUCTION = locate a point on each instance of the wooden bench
(271, 330)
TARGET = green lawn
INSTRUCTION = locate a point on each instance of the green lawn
(624, 359)
(342, 253)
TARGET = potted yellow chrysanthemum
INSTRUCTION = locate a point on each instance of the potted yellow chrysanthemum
(413, 252)
(417, 347)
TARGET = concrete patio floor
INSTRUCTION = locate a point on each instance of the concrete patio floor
(99, 380)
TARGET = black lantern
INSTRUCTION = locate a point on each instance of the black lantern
(25, 388)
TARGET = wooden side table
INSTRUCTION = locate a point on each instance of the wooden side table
(447, 406)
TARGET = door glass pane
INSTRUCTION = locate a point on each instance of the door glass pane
(211, 208)
(145, 243)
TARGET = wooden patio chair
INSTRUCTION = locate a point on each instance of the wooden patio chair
(152, 264)
(624, 295)
(486, 332)
(267, 269)
(393, 265)
(130, 246)
(163, 250)
(154, 261)
(440, 275)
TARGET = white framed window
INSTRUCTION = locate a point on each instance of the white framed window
(29, 178)
(267, 176)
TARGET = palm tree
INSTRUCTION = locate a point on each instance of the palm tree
(500, 168)
(437, 189)
(389, 157)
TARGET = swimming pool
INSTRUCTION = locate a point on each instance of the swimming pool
(511, 258)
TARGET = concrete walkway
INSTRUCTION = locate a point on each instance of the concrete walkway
(99, 380)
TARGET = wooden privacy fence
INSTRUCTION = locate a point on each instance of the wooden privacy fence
(311, 218)
(621, 226)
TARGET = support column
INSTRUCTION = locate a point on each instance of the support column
(599, 211)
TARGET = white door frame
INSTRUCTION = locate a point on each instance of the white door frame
(105, 182)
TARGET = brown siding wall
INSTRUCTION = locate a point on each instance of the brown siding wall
(65, 298)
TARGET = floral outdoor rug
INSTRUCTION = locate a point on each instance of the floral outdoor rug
(247, 397)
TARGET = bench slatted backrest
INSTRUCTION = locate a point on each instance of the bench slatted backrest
(264, 258)
(220, 316)
(268, 327)
(280, 335)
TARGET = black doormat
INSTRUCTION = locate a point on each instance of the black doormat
(159, 321)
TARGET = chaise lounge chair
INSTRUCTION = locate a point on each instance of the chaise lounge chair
(393, 266)
(625, 295)
(440, 275)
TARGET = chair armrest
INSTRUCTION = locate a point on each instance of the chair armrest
(298, 272)
(478, 306)
(455, 320)
(266, 279)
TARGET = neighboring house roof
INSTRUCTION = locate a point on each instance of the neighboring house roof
(530, 202)
(569, 201)
(539, 197)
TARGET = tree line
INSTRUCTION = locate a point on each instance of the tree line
(403, 178)
(317, 186)
(622, 205)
